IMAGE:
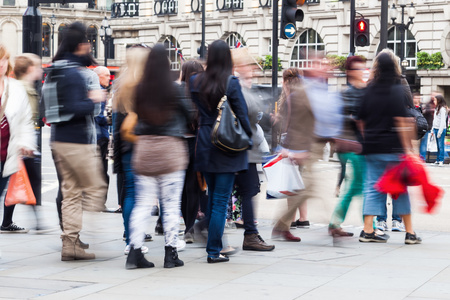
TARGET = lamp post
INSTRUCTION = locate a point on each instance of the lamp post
(53, 22)
(402, 27)
(105, 33)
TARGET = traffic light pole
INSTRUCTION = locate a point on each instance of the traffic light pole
(352, 26)
(383, 24)
(274, 64)
(203, 46)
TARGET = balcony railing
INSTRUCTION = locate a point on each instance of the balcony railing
(265, 3)
(166, 7)
(225, 5)
(125, 9)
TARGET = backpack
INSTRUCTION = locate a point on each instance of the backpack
(421, 122)
(54, 106)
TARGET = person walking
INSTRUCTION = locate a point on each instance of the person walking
(73, 142)
(440, 127)
(386, 137)
(17, 133)
(217, 166)
(160, 155)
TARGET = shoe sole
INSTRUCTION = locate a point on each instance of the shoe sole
(257, 249)
(412, 242)
(12, 232)
(304, 227)
(364, 240)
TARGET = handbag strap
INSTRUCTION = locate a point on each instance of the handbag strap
(3, 104)
(224, 98)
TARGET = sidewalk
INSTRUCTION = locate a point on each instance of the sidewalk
(315, 268)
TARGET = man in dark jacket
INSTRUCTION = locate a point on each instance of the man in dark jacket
(73, 142)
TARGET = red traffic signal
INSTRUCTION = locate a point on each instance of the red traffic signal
(362, 32)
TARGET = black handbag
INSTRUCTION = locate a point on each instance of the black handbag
(420, 121)
(227, 133)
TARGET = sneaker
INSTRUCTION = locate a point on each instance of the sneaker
(148, 237)
(188, 238)
(294, 225)
(302, 224)
(398, 226)
(181, 245)
(441, 163)
(411, 239)
(372, 237)
(12, 228)
(228, 251)
(128, 247)
(436, 163)
(382, 225)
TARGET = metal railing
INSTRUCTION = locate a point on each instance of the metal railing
(125, 9)
(166, 7)
(226, 5)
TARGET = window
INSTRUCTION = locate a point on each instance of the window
(9, 2)
(110, 50)
(394, 43)
(306, 49)
(235, 40)
(173, 52)
(46, 50)
(92, 39)
(61, 29)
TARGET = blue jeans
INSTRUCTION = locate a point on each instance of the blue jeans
(440, 144)
(220, 186)
(374, 201)
(423, 146)
(128, 202)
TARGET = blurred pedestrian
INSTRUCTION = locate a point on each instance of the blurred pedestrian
(440, 127)
(192, 193)
(386, 137)
(101, 121)
(217, 166)
(17, 133)
(247, 182)
(73, 142)
(123, 103)
(428, 113)
(352, 97)
(160, 155)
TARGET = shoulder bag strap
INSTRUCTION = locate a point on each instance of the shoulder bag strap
(224, 98)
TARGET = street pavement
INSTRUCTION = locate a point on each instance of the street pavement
(319, 267)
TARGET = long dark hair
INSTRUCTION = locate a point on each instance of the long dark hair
(155, 95)
(213, 81)
(440, 102)
(385, 68)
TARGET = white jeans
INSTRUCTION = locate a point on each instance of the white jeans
(168, 188)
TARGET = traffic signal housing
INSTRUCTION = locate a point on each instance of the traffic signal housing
(362, 32)
(289, 15)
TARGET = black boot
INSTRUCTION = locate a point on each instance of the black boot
(171, 258)
(136, 259)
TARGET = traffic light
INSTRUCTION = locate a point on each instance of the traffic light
(289, 15)
(362, 32)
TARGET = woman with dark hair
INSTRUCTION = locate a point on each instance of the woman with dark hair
(217, 166)
(159, 156)
(440, 127)
(386, 135)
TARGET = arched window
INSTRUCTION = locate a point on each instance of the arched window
(61, 29)
(46, 50)
(235, 40)
(92, 39)
(173, 52)
(306, 49)
(394, 43)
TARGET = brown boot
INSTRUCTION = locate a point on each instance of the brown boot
(81, 244)
(72, 251)
(255, 242)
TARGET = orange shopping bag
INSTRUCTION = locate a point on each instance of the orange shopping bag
(19, 188)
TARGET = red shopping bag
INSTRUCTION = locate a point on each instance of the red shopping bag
(19, 188)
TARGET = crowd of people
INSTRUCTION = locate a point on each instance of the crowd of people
(161, 131)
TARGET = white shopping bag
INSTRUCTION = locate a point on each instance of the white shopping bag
(283, 177)
(432, 144)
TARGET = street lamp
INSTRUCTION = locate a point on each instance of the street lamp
(53, 22)
(105, 33)
(402, 27)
